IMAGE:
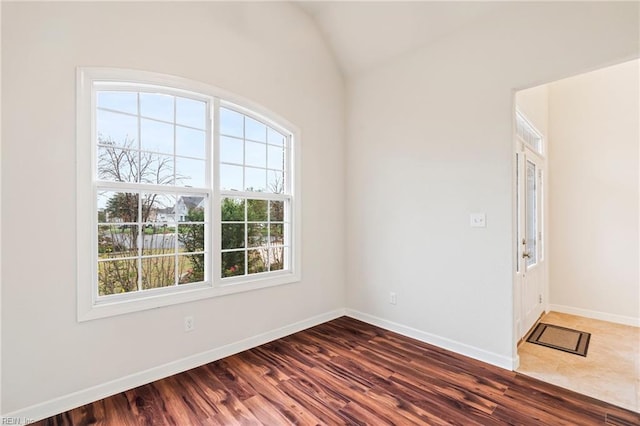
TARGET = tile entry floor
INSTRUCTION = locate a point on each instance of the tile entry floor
(610, 372)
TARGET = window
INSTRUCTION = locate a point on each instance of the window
(255, 199)
(152, 189)
(188, 193)
(528, 133)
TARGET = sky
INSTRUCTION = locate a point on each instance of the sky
(172, 129)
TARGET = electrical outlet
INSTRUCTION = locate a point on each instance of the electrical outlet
(478, 220)
(189, 324)
(393, 299)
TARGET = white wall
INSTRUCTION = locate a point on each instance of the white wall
(534, 104)
(429, 141)
(1, 219)
(267, 52)
(594, 122)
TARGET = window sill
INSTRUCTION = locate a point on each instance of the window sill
(153, 299)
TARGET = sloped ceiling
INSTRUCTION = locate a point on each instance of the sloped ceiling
(366, 34)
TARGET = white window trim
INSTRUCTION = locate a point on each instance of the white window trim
(88, 307)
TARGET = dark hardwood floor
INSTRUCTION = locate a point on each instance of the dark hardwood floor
(347, 372)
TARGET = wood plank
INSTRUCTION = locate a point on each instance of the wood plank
(312, 398)
(347, 372)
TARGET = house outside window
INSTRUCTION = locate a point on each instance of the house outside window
(190, 192)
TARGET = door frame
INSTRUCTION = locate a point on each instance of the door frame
(520, 151)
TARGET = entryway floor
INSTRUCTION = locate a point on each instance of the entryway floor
(610, 371)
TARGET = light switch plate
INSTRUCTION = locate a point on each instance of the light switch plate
(478, 220)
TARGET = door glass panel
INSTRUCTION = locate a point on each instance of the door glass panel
(518, 213)
(531, 214)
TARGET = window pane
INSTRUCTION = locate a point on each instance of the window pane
(190, 142)
(518, 201)
(156, 136)
(531, 214)
(276, 157)
(255, 154)
(158, 272)
(255, 130)
(116, 129)
(158, 240)
(119, 101)
(255, 179)
(275, 182)
(156, 169)
(156, 105)
(232, 236)
(275, 137)
(276, 234)
(190, 268)
(117, 165)
(116, 241)
(257, 260)
(190, 172)
(190, 112)
(232, 209)
(231, 150)
(190, 208)
(117, 276)
(117, 207)
(276, 210)
(232, 263)
(257, 210)
(257, 234)
(231, 123)
(231, 177)
(276, 258)
(158, 208)
(191, 238)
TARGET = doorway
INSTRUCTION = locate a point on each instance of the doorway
(530, 191)
(580, 195)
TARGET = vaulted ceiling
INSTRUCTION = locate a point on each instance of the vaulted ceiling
(366, 34)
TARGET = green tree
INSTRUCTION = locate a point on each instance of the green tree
(259, 214)
(232, 236)
(192, 238)
(122, 207)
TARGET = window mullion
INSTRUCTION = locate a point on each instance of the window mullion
(254, 195)
(288, 168)
(246, 237)
(176, 231)
(162, 189)
(214, 260)
(140, 240)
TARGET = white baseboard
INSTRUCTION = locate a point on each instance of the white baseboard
(67, 402)
(516, 362)
(95, 393)
(603, 316)
(442, 342)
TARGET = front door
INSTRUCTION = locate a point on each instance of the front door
(530, 233)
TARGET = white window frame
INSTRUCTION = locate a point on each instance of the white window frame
(90, 305)
(529, 135)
